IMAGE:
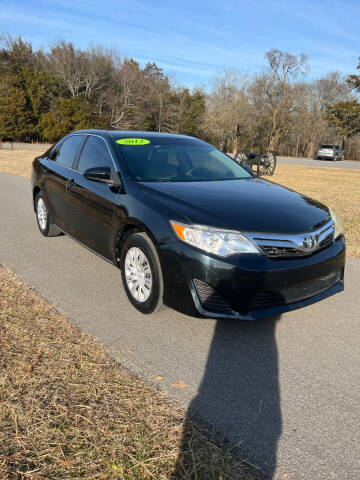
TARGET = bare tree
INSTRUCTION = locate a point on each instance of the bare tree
(277, 89)
(228, 112)
(277, 108)
(68, 64)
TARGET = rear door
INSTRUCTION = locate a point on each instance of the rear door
(59, 171)
(92, 203)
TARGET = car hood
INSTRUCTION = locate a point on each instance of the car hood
(250, 205)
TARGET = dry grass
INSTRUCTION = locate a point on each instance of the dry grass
(18, 162)
(68, 412)
(336, 188)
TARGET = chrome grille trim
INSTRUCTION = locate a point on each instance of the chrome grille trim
(288, 245)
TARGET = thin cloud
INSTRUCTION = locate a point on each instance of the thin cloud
(196, 39)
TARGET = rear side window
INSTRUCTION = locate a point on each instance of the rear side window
(68, 150)
(53, 153)
(94, 154)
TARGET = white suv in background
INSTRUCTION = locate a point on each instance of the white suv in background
(330, 152)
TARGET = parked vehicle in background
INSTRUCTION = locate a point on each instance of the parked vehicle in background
(330, 152)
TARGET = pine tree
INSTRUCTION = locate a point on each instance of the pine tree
(345, 116)
(15, 117)
(68, 114)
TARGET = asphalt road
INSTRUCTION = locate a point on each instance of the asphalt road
(311, 162)
(287, 390)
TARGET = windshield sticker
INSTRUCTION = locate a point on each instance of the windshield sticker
(133, 141)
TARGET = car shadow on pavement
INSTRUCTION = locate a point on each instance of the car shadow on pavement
(240, 392)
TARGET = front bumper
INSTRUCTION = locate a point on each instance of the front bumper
(249, 287)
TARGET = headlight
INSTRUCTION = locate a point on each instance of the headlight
(212, 240)
(337, 224)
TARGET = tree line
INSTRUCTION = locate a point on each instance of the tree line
(46, 94)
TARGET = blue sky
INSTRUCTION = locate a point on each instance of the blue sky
(193, 40)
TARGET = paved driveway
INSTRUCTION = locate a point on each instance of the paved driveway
(287, 389)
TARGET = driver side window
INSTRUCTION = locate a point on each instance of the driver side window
(95, 154)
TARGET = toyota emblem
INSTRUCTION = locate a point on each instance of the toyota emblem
(309, 243)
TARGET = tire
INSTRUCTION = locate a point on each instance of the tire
(138, 249)
(43, 217)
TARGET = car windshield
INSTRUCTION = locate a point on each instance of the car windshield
(154, 162)
(326, 146)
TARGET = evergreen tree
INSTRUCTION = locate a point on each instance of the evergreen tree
(15, 116)
(345, 116)
(69, 114)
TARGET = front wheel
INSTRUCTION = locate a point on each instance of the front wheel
(141, 273)
(43, 217)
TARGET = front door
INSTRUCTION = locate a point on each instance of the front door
(92, 203)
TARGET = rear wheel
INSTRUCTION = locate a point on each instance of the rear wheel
(43, 217)
(141, 273)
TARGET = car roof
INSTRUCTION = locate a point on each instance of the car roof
(118, 134)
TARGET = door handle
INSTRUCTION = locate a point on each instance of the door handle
(70, 184)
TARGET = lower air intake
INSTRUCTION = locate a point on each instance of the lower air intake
(295, 293)
(210, 299)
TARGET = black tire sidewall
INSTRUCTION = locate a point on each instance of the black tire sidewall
(142, 241)
(44, 232)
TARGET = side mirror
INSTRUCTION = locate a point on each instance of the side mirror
(248, 169)
(99, 174)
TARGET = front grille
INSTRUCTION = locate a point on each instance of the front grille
(288, 252)
(210, 299)
(287, 246)
(293, 294)
(272, 251)
(327, 240)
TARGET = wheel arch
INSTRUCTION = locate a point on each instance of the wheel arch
(36, 190)
(129, 229)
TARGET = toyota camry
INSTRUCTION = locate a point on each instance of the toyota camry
(187, 226)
